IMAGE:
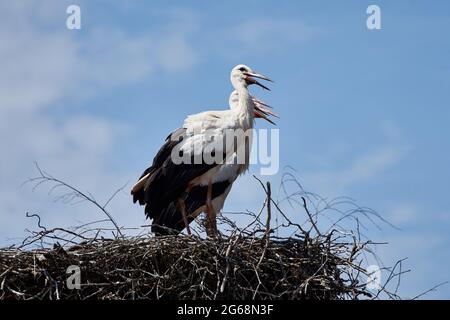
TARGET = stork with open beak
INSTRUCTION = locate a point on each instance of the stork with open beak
(262, 109)
(175, 194)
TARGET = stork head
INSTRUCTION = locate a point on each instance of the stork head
(243, 76)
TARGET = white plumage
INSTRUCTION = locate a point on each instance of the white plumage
(175, 193)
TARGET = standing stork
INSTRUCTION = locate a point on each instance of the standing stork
(174, 194)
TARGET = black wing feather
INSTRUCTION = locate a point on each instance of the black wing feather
(167, 184)
(163, 153)
(170, 182)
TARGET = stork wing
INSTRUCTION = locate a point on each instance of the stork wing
(166, 181)
(164, 152)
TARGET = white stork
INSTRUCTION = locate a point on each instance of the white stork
(262, 109)
(175, 194)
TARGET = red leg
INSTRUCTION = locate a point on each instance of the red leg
(211, 227)
(183, 213)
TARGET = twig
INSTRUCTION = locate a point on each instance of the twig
(430, 290)
(45, 177)
(310, 217)
(269, 209)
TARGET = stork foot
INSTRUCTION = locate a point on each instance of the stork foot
(210, 223)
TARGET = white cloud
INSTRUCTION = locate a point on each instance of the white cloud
(113, 57)
(43, 65)
(362, 168)
(403, 213)
(36, 68)
(341, 167)
(169, 53)
(263, 35)
(273, 33)
(411, 213)
(426, 258)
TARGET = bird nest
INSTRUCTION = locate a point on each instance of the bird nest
(263, 260)
(180, 267)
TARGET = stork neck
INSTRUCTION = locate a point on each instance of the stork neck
(245, 106)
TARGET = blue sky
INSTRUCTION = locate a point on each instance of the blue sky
(363, 113)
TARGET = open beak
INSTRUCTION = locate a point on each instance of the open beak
(259, 114)
(267, 111)
(263, 110)
(250, 79)
(260, 102)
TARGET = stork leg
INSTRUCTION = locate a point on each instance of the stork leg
(211, 222)
(183, 213)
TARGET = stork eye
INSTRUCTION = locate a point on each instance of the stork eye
(242, 69)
